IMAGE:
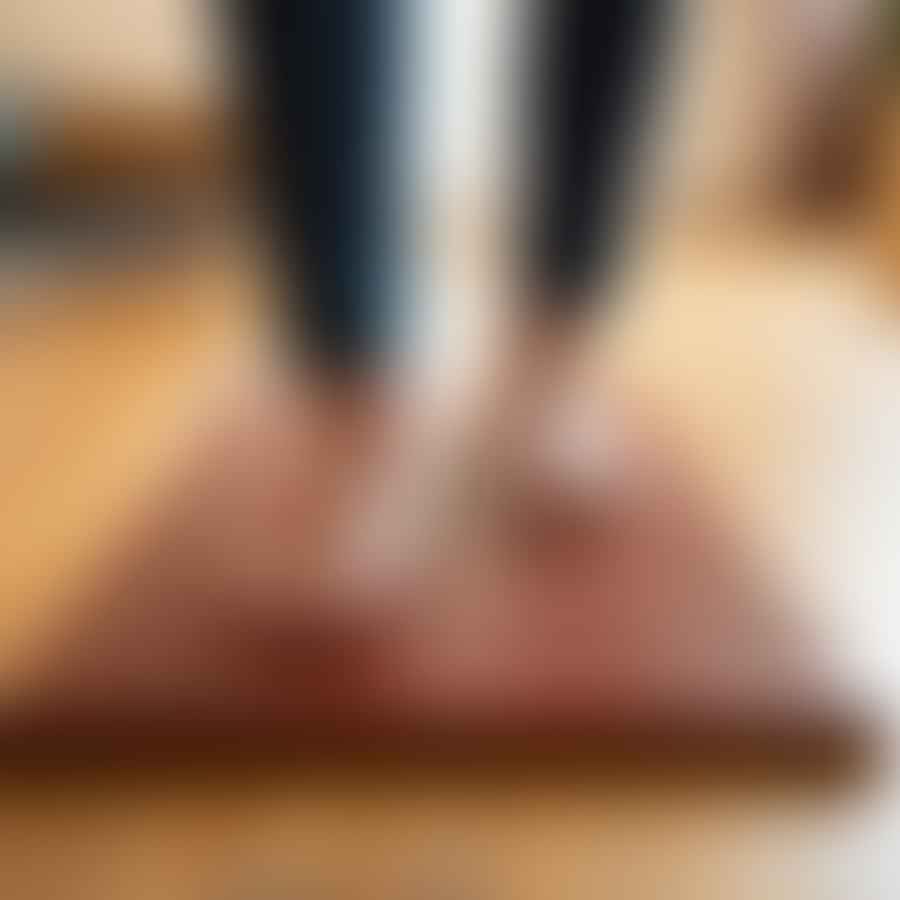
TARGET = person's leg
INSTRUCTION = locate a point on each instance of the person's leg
(592, 67)
(325, 101)
(328, 117)
(590, 71)
(335, 104)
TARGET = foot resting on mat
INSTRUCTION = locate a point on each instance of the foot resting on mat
(550, 433)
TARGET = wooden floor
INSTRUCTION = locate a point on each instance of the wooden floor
(103, 371)
(368, 836)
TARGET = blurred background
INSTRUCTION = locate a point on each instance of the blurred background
(760, 317)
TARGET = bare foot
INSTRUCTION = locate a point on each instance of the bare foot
(271, 487)
(550, 428)
(335, 502)
(329, 506)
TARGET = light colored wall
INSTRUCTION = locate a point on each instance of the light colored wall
(119, 50)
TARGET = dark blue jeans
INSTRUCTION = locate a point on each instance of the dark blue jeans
(329, 81)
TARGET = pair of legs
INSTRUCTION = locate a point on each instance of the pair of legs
(332, 93)
(332, 90)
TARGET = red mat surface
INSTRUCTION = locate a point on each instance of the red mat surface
(644, 628)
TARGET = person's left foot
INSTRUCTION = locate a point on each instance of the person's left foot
(550, 432)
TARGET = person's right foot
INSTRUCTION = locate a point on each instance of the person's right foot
(270, 485)
(324, 506)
